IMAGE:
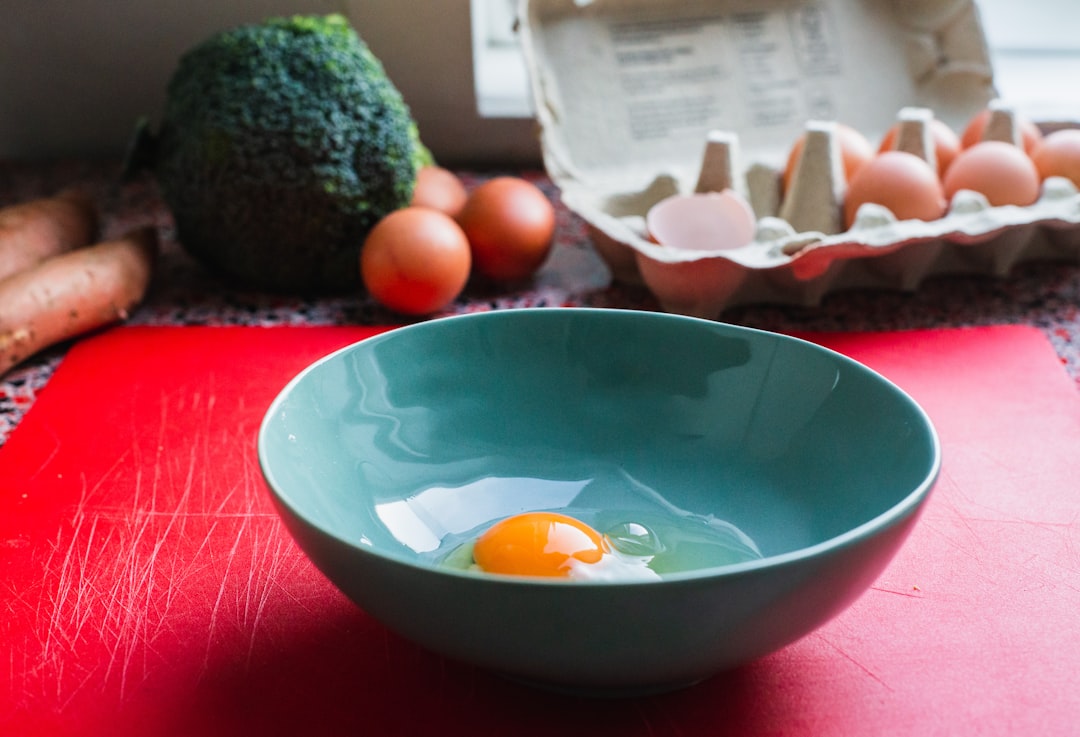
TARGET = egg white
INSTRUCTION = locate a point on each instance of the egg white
(613, 566)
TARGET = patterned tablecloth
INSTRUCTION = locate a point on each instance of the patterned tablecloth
(1046, 295)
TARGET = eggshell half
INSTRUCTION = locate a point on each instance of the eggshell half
(706, 221)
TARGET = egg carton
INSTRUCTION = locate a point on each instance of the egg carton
(640, 101)
(786, 264)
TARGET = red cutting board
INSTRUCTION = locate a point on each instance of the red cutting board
(147, 588)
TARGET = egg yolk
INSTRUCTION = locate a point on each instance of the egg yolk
(538, 544)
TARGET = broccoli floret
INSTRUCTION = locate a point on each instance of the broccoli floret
(281, 145)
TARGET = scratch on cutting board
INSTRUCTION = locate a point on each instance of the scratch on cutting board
(268, 562)
(114, 581)
(216, 609)
(954, 526)
(133, 597)
(911, 594)
(52, 454)
(854, 661)
(71, 601)
(645, 721)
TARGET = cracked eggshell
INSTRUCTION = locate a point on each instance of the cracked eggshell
(704, 221)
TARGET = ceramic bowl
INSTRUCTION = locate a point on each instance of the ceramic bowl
(388, 453)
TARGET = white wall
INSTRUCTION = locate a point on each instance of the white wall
(74, 76)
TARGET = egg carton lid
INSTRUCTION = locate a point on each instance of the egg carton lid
(627, 91)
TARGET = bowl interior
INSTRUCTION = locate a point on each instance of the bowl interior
(411, 442)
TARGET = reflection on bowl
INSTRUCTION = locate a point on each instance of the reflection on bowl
(388, 455)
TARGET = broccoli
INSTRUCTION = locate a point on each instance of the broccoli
(281, 145)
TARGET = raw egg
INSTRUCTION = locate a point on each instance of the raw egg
(1058, 155)
(1000, 171)
(973, 133)
(509, 223)
(899, 181)
(439, 189)
(855, 152)
(415, 260)
(554, 545)
(946, 142)
(599, 545)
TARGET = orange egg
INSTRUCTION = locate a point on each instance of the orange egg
(510, 224)
(1058, 155)
(439, 189)
(946, 143)
(973, 133)
(538, 544)
(415, 260)
(899, 181)
(1000, 171)
(855, 152)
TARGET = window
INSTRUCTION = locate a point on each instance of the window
(1035, 49)
(502, 82)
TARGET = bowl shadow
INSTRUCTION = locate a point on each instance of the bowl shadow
(346, 674)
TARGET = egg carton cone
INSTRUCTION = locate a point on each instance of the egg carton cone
(638, 102)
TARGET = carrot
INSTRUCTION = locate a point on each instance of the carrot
(73, 293)
(33, 231)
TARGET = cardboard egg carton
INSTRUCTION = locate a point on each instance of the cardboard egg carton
(640, 100)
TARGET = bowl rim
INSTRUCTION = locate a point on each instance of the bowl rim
(892, 516)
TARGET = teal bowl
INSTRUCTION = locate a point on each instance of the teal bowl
(803, 469)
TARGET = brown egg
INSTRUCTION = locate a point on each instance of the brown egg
(973, 133)
(1058, 155)
(899, 181)
(510, 224)
(855, 152)
(946, 143)
(440, 189)
(416, 260)
(1000, 171)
